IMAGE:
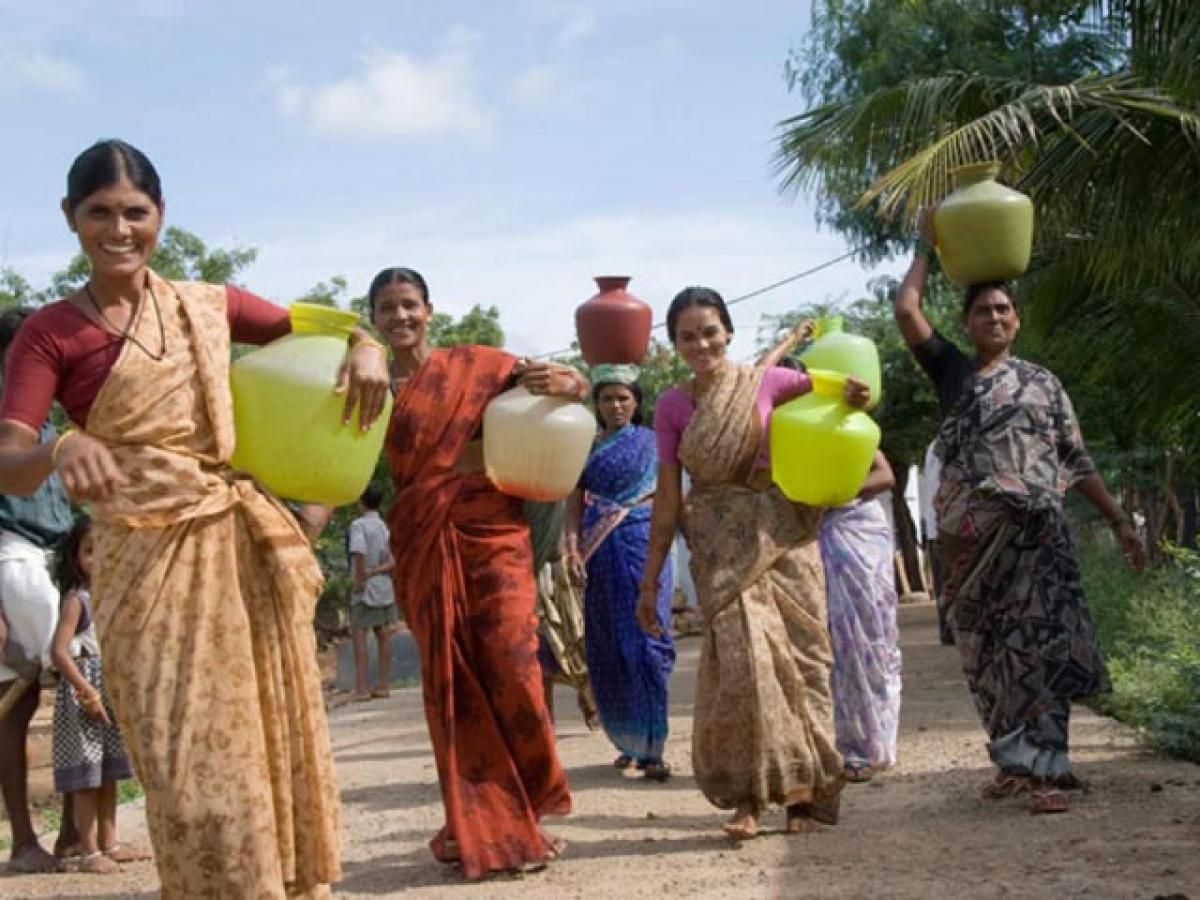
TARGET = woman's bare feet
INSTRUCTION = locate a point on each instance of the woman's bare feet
(743, 824)
(93, 864)
(556, 846)
(122, 853)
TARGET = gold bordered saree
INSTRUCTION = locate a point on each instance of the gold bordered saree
(763, 730)
(204, 592)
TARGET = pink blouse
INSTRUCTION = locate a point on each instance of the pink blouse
(674, 409)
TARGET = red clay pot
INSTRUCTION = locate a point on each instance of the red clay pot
(614, 326)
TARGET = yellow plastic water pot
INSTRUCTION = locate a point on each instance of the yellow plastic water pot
(821, 447)
(984, 229)
(837, 350)
(290, 435)
(535, 447)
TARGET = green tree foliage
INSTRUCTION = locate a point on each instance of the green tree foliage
(479, 325)
(1101, 128)
(856, 48)
(14, 289)
(326, 293)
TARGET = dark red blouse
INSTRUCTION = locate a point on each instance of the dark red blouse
(60, 354)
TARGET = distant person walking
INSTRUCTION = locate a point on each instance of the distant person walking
(860, 584)
(372, 596)
(608, 539)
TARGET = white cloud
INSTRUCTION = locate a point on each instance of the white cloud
(579, 21)
(536, 86)
(38, 70)
(393, 94)
(671, 45)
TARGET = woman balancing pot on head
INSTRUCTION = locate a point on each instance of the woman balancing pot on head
(204, 586)
(465, 579)
(1011, 447)
(608, 536)
(764, 729)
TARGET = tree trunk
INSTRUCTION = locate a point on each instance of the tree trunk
(1189, 501)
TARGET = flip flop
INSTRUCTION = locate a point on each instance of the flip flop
(1006, 786)
(859, 774)
(1049, 802)
(657, 771)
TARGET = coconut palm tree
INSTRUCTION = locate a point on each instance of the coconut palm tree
(1112, 162)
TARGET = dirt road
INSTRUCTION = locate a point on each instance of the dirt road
(919, 831)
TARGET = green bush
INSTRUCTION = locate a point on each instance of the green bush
(1149, 627)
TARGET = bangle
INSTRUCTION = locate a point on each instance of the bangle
(926, 251)
(369, 342)
(58, 442)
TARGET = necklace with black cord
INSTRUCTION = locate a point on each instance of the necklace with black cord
(124, 334)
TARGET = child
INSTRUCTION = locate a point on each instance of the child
(372, 599)
(89, 756)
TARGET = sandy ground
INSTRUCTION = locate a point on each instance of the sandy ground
(919, 831)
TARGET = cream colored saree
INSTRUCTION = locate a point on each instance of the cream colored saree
(204, 594)
(764, 728)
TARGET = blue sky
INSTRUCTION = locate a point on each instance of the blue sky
(507, 150)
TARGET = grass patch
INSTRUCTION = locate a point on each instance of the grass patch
(1149, 627)
(128, 791)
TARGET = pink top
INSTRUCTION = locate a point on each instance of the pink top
(674, 409)
(61, 354)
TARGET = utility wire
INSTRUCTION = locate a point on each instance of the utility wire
(755, 293)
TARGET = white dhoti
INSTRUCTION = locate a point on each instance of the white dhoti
(29, 602)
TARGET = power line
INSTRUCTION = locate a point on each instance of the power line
(775, 285)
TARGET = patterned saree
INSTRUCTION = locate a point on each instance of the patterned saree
(465, 580)
(204, 595)
(630, 670)
(764, 729)
(1012, 448)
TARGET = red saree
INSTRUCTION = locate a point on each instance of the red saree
(464, 577)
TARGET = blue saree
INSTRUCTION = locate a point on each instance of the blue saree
(629, 669)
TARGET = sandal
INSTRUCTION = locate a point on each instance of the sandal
(859, 774)
(657, 771)
(622, 762)
(1049, 801)
(119, 853)
(1006, 786)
